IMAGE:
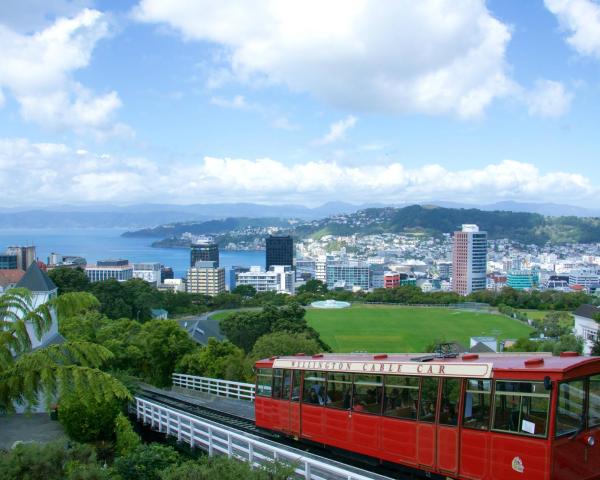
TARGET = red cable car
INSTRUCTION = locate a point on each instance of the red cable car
(497, 416)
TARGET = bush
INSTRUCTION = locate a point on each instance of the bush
(146, 462)
(223, 468)
(127, 441)
(86, 419)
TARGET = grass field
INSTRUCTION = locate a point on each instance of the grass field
(406, 329)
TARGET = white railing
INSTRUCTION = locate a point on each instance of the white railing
(215, 386)
(222, 440)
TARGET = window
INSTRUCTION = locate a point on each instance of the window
(594, 403)
(521, 407)
(367, 393)
(277, 382)
(428, 403)
(570, 407)
(314, 388)
(287, 384)
(339, 390)
(264, 376)
(450, 400)
(401, 397)
(477, 404)
(296, 385)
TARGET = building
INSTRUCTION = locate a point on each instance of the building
(321, 268)
(445, 270)
(279, 278)
(8, 262)
(469, 260)
(348, 275)
(583, 277)
(557, 282)
(42, 290)
(166, 273)
(172, 285)
(280, 251)
(25, 255)
(305, 268)
(391, 279)
(119, 269)
(376, 275)
(522, 279)
(205, 278)
(204, 252)
(9, 278)
(149, 272)
(233, 275)
(65, 261)
(586, 325)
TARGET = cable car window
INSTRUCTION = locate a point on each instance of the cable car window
(570, 407)
(521, 407)
(367, 395)
(264, 377)
(296, 385)
(594, 404)
(339, 390)
(314, 388)
(477, 403)
(450, 400)
(428, 403)
(287, 384)
(277, 382)
(401, 397)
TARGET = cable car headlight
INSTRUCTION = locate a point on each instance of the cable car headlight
(591, 441)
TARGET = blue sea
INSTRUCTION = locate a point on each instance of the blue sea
(100, 243)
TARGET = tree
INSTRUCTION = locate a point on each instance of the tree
(86, 419)
(220, 467)
(69, 280)
(162, 343)
(244, 328)
(313, 286)
(113, 299)
(247, 291)
(146, 462)
(284, 343)
(596, 346)
(119, 336)
(127, 441)
(55, 370)
(215, 360)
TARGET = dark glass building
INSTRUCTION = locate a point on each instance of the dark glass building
(8, 262)
(280, 250)
(204, 252)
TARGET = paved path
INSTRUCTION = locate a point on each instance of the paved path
(36, 427)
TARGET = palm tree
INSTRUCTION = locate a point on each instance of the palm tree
(53, 370)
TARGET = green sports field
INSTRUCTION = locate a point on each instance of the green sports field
(406, 329)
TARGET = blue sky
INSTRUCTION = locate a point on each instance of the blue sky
(304, 102)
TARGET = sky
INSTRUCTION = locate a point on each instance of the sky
(280, 101)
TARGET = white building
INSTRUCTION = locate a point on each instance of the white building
(584, 277)
(321, 268)
(149, 272)
(586, 326)
(172, 285)
(205, 278)
(120, 270)
(278, 279)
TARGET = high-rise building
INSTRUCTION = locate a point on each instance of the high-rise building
(205, 278)
(278, 278)
(444, 270)
(233, 275)
(348, 275)
(119, 269)
(149, 272)
(8, 262)
(25, 255)
(469, 260)
(280, 251)
(523, 279)
(204, 252)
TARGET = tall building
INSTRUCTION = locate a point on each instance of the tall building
(25, 255)
(119, 269)
(149, 272)
(349, 275)
(204, 252)
(523, 279)
(205, 278)
(8, 262)
(233, 275)
(280, 250)
(445, 270)
(279, 278)
(469, 260)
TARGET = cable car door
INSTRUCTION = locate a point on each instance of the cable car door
(447, 425)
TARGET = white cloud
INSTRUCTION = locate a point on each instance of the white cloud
(548, 99)
(431, 56)
(57, 174)
(37, 70)
(581, 18)
(237, 102)
(337, 131)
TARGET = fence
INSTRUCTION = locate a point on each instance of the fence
(222, 440)
(215, 386)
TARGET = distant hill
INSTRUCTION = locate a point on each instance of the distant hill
(520, 226)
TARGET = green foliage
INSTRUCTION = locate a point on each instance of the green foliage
(50, 461)
(554, 325)
(127, 441)
(284, 343)
(245, 291)
(212, 468)
(86, 419)
(565, 343)
(596, 347)
(82, 327)
(69, 280)
(312, 286)
(120, 337)
(162, 343)
(146, 462)
(523, 345)
(216, 360)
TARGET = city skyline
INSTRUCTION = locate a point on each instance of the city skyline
(279, 102)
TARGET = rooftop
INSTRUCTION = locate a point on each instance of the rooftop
(35, 280)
